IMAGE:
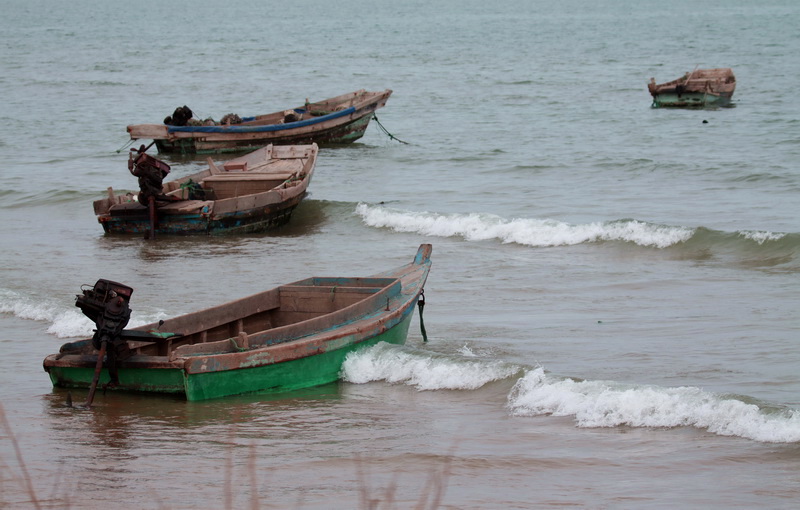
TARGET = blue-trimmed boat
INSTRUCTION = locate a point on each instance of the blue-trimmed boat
(337, 120)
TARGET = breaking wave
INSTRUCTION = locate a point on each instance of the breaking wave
(591, 403)
(64, 322)
(423, 370)
(549, 233)
(609, 404)
(523, 231)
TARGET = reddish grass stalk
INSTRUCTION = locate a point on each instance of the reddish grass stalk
(20, 460)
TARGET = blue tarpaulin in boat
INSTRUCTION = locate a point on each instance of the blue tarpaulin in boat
(258, 129)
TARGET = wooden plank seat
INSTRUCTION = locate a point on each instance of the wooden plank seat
(186, 206)
(230, 185)
(249, 176)
(323, 299)
(298, 303)
(177, 207)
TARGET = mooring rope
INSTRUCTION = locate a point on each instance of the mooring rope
(387, 131)
(236, 346)
(421, 305)
(130, 142)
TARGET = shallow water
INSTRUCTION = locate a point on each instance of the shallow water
(612, 307)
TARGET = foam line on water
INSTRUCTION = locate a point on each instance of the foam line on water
(423, 370)
(546, 232)
(523, 231)
(610, 404)
(64, 322)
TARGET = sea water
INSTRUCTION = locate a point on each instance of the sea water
(612, 310)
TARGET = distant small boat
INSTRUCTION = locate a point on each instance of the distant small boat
(253, 193)
(340, 119)
(293, 336)
(701, 87)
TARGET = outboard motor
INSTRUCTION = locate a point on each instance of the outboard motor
(107, 305)
(150, 172)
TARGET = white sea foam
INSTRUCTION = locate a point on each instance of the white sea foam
(13, 303)
(64, 322)
(71, 324)
(761, 236)
(528, 232)
(608, 404)
(467, 351)
(425, 371)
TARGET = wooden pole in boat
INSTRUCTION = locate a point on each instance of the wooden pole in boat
(98, 367)
(691, 74)
(151, 144)
(151, 206)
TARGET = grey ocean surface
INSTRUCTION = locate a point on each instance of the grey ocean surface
(612, 309)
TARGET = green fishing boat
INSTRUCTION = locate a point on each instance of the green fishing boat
(290, 337)
(700, 88)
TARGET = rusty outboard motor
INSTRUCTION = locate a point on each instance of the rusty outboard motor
(150, 172)
(107, 305)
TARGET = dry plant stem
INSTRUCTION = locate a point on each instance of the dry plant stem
(436, 484)
(229, 473)
(20, 460)
(253, 483)
(363, 491)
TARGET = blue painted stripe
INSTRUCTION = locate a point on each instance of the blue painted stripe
(259, 129)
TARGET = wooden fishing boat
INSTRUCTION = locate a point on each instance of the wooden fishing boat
(340, 119)
(253, 193)
(294, 336)
(701, 87)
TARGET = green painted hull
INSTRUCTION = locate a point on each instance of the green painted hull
(290, 375)
(305, 372)
(689, 100)
(132, 379)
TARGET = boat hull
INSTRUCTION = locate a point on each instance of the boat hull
(690, 100)
(233, 143)
(305, 372)
(238, 222)
(152, 380)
